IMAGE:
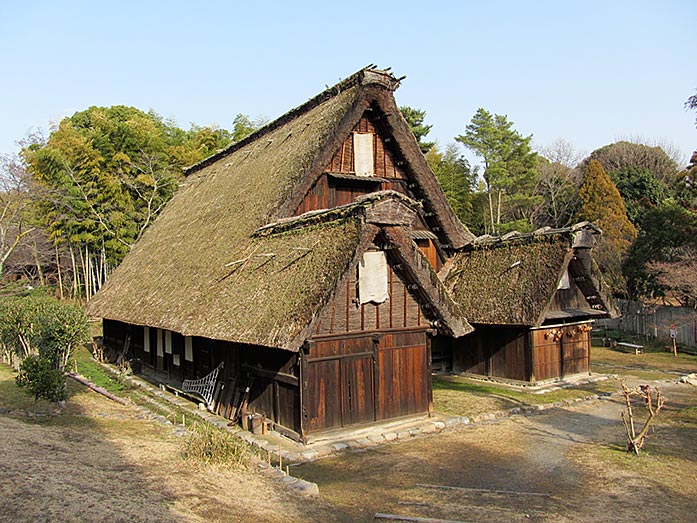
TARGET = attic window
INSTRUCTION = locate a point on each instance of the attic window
(372, 278)
(363, 157)
(564, 282)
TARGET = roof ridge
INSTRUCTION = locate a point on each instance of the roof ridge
(369, 75)
(331, 214)
(488, 239)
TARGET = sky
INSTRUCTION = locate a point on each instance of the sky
(591, 72)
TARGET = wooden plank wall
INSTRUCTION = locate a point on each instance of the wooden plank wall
(275, 392)
(404, 377)
(560, 351)
(327, 193)
(344, 315)
(386, 165)
(360, 379)
(495, 351)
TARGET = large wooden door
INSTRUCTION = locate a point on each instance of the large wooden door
(357, 392)
(366, 378)
(404, 380)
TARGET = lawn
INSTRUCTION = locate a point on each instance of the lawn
(464, 396)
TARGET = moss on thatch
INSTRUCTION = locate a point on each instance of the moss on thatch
(508, 282)
(185, 274)
(167, 279)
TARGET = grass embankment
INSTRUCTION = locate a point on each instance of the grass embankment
(460, 396)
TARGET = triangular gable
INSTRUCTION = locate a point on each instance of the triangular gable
(174, 278)
(377, 113)
(386, 219)
(514, 280)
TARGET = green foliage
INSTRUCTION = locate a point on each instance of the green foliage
(242, 127)
(510, 165)
(105, 173)
(685, 188)
(41, 379)
(59, 330)
(644, 175)
(600, 202)
(666, 232)
(208, 445)
(42, 326)
(456, 178)
(415, 119)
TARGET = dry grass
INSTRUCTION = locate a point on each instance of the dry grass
(98, 461)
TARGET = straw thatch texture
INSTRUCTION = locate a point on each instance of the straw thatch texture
(174, 278)
(509, 282)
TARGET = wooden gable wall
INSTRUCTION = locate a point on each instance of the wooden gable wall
(343, 315)
(569, 299)
(339, 185)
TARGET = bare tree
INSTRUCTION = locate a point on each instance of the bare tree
(559, 180)
(653, 402)
(14, 207)
(679, 276)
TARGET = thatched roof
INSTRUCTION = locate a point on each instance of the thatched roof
(512, 279)
(179, 275)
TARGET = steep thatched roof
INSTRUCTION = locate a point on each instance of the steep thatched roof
(512, 279)
(179, 275)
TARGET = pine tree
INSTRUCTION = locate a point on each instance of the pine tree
(600, 202)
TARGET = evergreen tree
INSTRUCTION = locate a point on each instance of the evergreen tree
(644, 175)
(415, 119)
(103, 176)
(510, 166)
(668, 236)
(601, 203)
(456, 178)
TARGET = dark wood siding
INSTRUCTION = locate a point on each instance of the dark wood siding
(404, 378)
(343, 314)
(561, 351)
(362, 378)
(501, 352)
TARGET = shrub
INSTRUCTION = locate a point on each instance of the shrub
(41, 379)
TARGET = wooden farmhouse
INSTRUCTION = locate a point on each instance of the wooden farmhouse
(531, 299)
(303, 258)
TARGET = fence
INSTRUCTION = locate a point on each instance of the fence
(655, 321)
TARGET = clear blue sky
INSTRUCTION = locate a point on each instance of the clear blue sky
(589, 72)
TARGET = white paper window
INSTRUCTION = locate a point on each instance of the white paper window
(160, 351)
(168, 342)
(564, 281)
(175, 360)
(363, 158)
(373, 278)
(146, 339)
(188, 349)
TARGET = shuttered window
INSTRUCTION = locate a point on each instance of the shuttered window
(363, 155)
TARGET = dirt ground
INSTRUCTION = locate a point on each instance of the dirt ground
(101, 462)
(563, 465)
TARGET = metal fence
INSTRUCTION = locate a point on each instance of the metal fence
(655, 321)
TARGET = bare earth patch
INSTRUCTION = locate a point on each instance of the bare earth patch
(98, 461)
(102, 462)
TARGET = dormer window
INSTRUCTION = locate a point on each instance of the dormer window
(363, 155)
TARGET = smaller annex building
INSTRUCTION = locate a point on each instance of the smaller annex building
(531, 299)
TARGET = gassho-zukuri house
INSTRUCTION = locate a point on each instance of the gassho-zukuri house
(305, 259)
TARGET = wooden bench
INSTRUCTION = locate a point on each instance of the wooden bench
(638, 349)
